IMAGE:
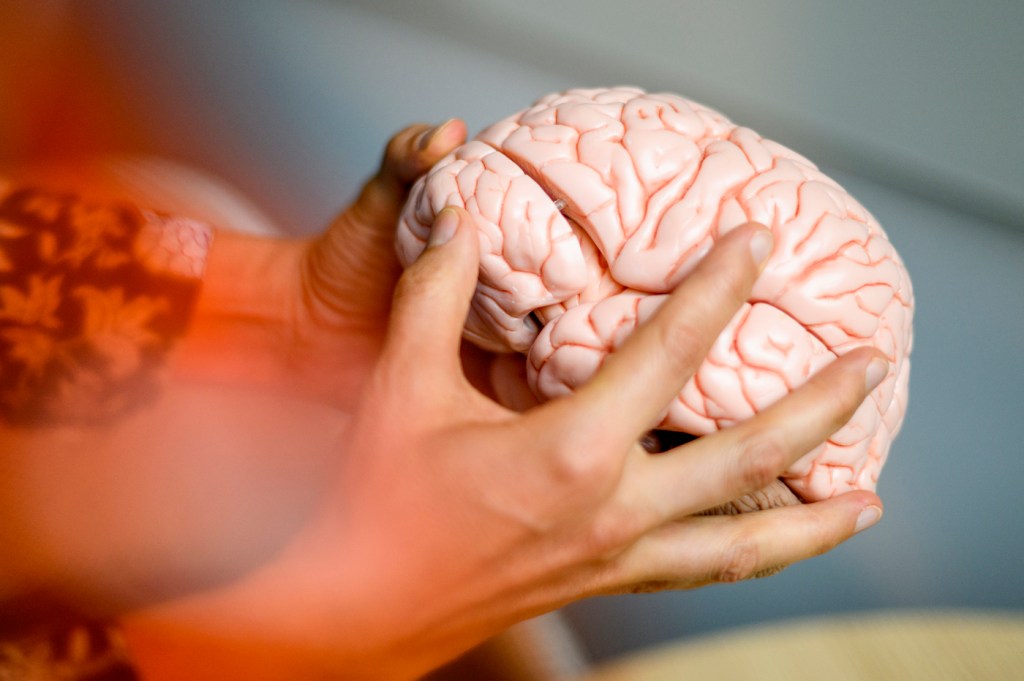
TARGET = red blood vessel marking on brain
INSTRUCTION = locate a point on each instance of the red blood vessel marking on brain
(592, 205)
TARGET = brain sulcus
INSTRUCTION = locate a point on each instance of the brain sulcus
(592, 205)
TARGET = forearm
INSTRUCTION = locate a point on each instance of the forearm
(242, 320)
(168, 471)
(94, 298)
(258, 323)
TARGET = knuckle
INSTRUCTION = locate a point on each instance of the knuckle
(608, 534)
(824, 536)
(418, 281)
(579, 455)
(402, 160)
(399, 143)
(740, 561)
(762, 458)
(576, 466)
(683, 344)
(840, 398)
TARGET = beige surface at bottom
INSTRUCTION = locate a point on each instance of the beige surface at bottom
(929, 646)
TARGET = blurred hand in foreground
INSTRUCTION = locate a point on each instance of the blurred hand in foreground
(451, 517)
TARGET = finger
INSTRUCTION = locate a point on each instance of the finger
(360, 241)
(413, 151)
(652, 366)
(706, 549)
(731, 463)
(408, 155)
(432, 298)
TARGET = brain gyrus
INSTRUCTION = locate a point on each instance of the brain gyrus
(592, 205)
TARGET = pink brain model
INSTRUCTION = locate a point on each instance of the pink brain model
(592, 205)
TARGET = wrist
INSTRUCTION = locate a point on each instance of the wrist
(243, 328)
(262, 321)
(250, 279)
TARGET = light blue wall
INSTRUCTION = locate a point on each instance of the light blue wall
(293, 101)
(925, 91)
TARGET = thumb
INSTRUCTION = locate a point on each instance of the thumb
(352, 266)
(432, 299)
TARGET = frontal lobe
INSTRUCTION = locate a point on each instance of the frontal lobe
(593, 204)
(530, 256)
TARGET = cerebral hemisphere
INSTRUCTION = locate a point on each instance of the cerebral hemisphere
(592, 205)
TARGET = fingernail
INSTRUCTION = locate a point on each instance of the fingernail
(761, 246)
(427, 137)
(868, 517)
(876, 371)
(445, 225)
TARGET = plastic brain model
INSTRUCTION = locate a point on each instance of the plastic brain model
(592, 205)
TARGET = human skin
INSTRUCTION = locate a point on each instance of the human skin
(435, 517)
(213, 476)
(454, 517)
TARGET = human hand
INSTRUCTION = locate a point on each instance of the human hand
(455, 517)
(309, 315)
(205, 476)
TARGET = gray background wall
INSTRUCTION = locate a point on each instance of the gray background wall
(914, 106)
